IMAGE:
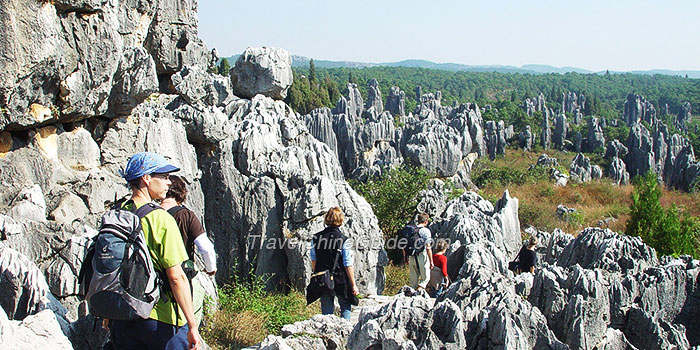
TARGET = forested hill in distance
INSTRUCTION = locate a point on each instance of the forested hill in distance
(303, 62)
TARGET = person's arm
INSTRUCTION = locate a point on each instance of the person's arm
(206, 248)
(181, 292)
(443, 261)
(430, 256)
(312, 255)
(351, 277)
(348, 261)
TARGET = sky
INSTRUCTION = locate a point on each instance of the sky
(595, 35)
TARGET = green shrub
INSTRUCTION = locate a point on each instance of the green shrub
(393, 196)
(247, 313)
(669, 231)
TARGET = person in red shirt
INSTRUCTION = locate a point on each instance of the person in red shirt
(438, 274)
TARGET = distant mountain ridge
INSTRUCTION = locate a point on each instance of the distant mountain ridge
(303, 62)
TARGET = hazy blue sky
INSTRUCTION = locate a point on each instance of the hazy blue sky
(595, 35)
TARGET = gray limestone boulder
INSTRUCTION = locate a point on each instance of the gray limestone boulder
(596, 139)
(39, 331)
(563, 212)
(134, 80)
(560, 129)
(637, 108)
(273, 342)
(684, 116)
(614, 149)
(618, 172)
(331, 329)
(351, 105)
(546, 134)
(199, 87)
(374, 96)
(433, 146)
(494, 137)
(469, 219)
(410, 323)
(396, 101)
(79, 151)
(685, 170)
(24, 289)
(602, 248)
(580, 168)
(525, 138)
(172, 37)
(266, 71)
(675, 144)
(640, 158)
(296, 180)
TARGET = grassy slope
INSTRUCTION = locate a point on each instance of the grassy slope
(597, 199)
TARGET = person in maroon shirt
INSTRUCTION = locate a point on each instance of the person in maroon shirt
(438, 274)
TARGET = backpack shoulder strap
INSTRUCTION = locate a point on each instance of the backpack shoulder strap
(146, 209)
(175, 209)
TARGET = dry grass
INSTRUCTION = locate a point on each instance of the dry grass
(396, 277)
(596, 200)
(234, 330)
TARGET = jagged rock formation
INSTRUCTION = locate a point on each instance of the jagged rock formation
(582, 170)
(396, 101)
(319, 332)
(560, 129)
(494, 136)
(614, 149)
(618, 171)
(48, 45)
(546, 134)
(437, 138)
(571, 102)
(637, 108)
(525, 138)
(596, 139)
(640, 158)
(374, 97)
(262, 70)
(681, 122)
(87, 85)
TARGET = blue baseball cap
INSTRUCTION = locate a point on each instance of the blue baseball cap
(145, 163)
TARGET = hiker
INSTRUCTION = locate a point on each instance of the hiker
(330, 250)
(420, 261)
(190, 227)
(527, 257)
(438, 274)
(192, 234)
(172, 323)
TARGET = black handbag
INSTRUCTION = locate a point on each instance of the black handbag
(321, 282)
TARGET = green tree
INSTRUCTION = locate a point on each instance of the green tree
(312, 71)
(669, 231)
(224, 67)
(393, 196)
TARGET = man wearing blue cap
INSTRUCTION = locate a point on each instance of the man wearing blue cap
(171, 324)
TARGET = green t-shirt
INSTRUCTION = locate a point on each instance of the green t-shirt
(167, 249)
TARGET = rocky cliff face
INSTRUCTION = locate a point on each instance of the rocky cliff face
(86, 84)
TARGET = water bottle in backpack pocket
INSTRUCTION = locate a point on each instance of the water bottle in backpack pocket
(117, 275)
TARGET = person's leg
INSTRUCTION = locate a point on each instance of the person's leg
(412, 272)
(423, 269)
(345, 307)
(140, 334)
(179, 341)
(327, 304)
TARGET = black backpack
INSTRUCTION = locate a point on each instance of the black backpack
(409, 235)
(117, 274)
